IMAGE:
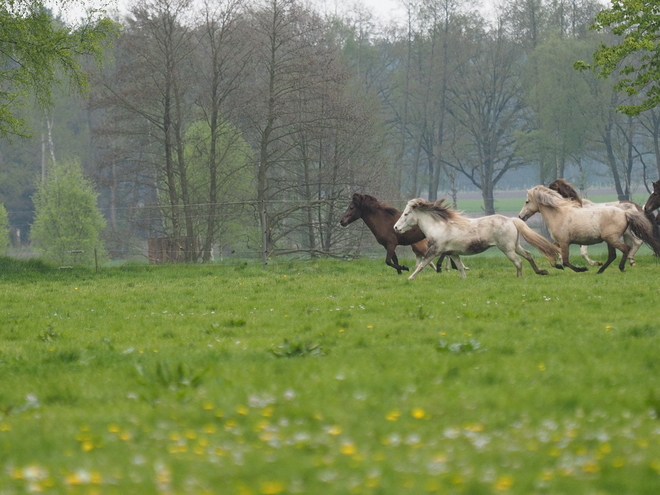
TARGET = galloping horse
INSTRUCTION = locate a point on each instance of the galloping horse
(568, 191)
(585, 226)
(653, 203)
(452, 234)
(380, 218)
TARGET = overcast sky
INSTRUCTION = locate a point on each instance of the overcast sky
(385, 10)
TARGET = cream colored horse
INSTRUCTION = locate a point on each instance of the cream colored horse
(452, 234)
(586, 226)
(568, 191)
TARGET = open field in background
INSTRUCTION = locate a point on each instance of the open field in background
(329, 377)
(510, 205)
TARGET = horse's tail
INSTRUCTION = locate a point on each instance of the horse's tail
(642, 227)
(547, 248)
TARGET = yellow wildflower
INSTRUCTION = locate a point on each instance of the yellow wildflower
(393, 415)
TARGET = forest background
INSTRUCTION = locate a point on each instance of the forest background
(243, 128)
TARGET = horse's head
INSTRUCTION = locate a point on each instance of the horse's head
(408, 218)
(354, 210)
(531, 205)
(653, 203)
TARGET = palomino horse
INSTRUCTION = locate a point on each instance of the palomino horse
(568, 191)
(451, 233)
(585, 226)
(380, 218)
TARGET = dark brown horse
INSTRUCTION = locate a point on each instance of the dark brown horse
(653, 203)
(380, 218)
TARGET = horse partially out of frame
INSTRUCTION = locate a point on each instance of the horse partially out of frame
(567, 191)
(585, 226)
(452, 234)
(380, 218)
(653, 203)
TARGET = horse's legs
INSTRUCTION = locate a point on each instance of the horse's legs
(635, 243)
(565, 261)
(456, 260)
(585, 255)
(428, 258)
(451, 263)
(419, 258)
(392, 260)
(441, 259)
(528, 256)
(511, 254)
(611, 254)
(419, 255)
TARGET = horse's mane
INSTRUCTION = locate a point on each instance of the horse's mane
(369, 203)
(546, 196)
(436, 209)
(565, 190)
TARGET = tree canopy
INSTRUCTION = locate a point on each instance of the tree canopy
(36, 51)
(636, 55)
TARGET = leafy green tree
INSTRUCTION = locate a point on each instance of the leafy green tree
(4, 230)
(35, 51)
(67, 223)
(636, 55)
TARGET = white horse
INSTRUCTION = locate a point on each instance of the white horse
(569, 192)
(452, 234)
(585, 226)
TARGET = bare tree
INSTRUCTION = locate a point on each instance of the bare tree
(294, 111)
(222, 57)
(487, 102)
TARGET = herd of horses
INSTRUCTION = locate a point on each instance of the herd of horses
(432, 229)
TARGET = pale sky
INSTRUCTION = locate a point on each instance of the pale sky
(385, 10)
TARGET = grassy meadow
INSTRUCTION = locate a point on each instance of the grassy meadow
(329, 377)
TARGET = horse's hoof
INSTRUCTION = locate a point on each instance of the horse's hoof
(559, 267)
(542, 272)
(405, 268)
(632, 263)
(598, 263)
(583, 269)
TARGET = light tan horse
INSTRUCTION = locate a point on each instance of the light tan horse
(585, 226)
(452, 234)
(568, 191)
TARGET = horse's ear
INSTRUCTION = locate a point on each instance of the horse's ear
(656, 185)
(357, 196)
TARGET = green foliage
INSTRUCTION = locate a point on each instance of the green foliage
(636, 55)
(173, 377)
(4, 230)
(297, 349)
(35, 50)
(233, 178)
(67, 222)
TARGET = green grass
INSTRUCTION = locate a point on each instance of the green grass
(329, 377)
